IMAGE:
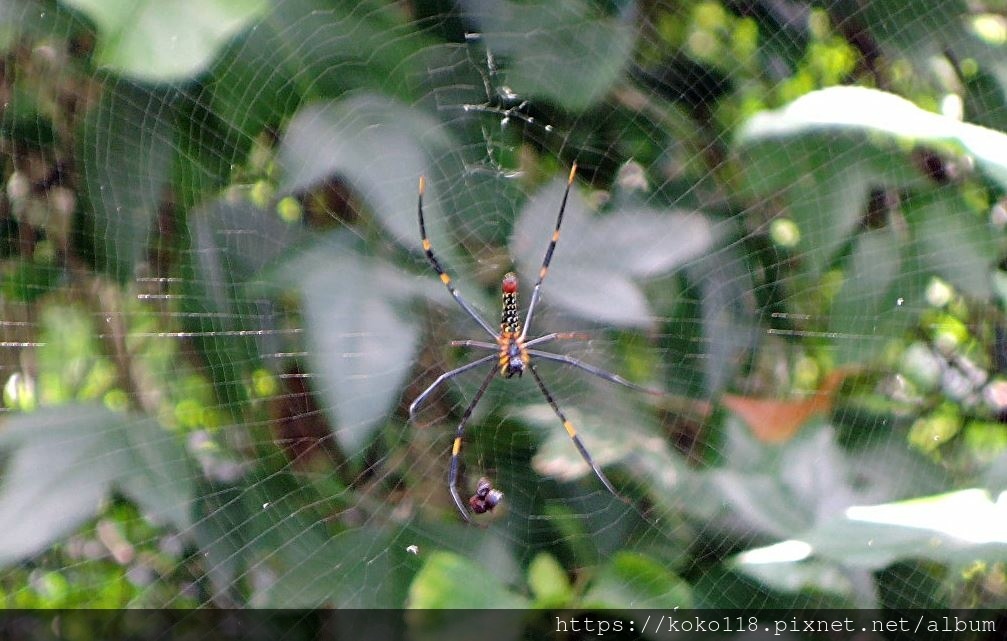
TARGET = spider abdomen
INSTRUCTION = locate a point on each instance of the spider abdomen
(509, 318)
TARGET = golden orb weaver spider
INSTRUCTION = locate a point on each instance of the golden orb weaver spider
(512, 354)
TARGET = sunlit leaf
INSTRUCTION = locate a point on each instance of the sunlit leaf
(451, 582)
(958, 527)
(631, 581)
(548, 581)
(869, 111)
(164, 42)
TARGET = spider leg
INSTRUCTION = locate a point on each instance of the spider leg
(456, 447)
(428, 250)
(557, 336)
(573, 434)
(591, 369)
(444, 377)
(478, 344)
(548, 255)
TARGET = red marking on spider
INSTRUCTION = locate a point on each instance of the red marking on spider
(509, 284)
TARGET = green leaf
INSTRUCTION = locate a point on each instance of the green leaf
(548, 582)
(360, 342)
(379, 145)
(561, 50)
(127, 147)
(164, 42)
(65, 460)
(449, 581)
(597, 259)
(631, 581)
(884, 117)
(786, 490)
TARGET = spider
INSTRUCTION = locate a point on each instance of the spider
(512, 353)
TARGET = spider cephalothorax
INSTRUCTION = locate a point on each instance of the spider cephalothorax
(512, 354)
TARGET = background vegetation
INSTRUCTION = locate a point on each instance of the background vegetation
(788, 215)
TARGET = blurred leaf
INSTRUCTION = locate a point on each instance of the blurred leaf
(37, 19)
(559, 50)
(163, 42)
(786, 490)
(558, 458)
(952, 242)
(360, 345)
(378, 145)
(127, 144)
(23, 122)
(232, 240)
(223, 546)
(354, 569)
(451, 582)
(888, 272)
(879, 299)
(632, 581)
(548, 582)
(597, 258)
(869, 111)
(727, 307)
(29, 280)
(816, 576)
(910, 37)
(65, 460)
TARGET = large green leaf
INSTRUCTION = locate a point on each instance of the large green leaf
(360, 342)
(379, 145)
(561, 50)
(598, 260)
(958, 527)
(159, 41)
(65, 460)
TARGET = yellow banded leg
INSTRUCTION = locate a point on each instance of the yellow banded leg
(456, 446)
(572, 432)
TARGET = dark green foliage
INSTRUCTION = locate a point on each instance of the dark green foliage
(218, 310)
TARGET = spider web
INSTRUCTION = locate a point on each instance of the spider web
(786, 217)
